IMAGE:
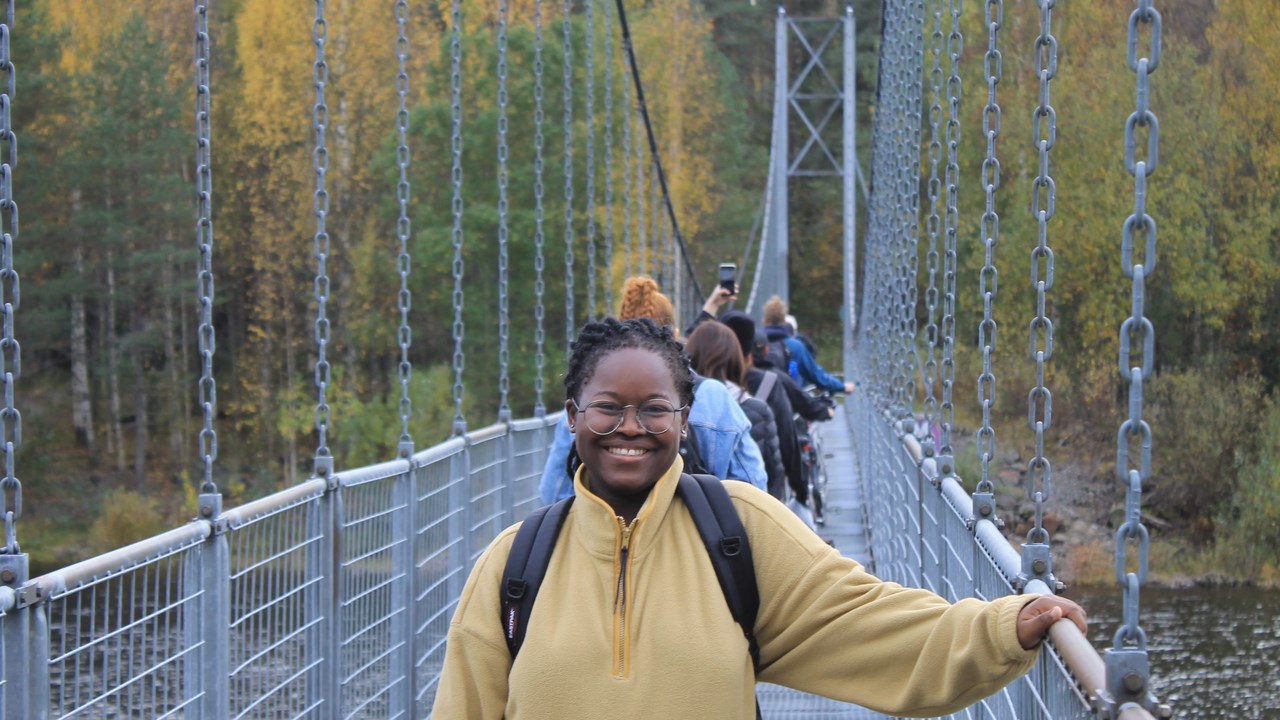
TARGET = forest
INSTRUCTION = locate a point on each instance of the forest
(104, 110)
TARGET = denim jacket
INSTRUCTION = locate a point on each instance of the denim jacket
(724, 442)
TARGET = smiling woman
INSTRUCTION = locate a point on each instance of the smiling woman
(631, 621)
(624, 452)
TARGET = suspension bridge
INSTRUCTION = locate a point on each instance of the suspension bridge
(332, 598)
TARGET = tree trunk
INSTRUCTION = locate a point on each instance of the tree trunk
(116, 440)
(81, 396)
(172, 359)
(140, 420)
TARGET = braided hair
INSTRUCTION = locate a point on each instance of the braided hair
(599, 338)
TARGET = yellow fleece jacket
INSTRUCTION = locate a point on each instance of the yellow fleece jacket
(652, 637)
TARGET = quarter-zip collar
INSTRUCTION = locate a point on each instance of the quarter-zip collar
(596, 526)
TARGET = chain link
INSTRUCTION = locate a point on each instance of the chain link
(455, 85)
(951, 222)
(1043, 191)
(590, 180)
(1127, 665)
(628, 189)
(933, 227)
(504, 325)
(10, 294)
(569, 329)
(539, 218)
(320, 121)
(608, 157)
(404, 298)
(208, 392)
(988, 278)
(1135, 372)
(642, 246)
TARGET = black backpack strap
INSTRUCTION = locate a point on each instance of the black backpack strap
(526, 565)
(728, 547)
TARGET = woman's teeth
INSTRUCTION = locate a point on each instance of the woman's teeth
(626, 451)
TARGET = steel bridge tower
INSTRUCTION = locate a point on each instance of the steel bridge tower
(817, 95)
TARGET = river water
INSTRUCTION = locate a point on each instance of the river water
(1215, 652)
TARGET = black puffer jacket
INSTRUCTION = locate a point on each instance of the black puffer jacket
(764, 430)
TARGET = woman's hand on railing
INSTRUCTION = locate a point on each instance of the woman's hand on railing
(1037, 616)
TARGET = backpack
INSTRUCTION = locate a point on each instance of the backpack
(780, 356)
(718, 524)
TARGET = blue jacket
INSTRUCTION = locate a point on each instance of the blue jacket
(724, 442)
(808, 369)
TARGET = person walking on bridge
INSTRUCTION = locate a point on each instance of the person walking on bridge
(631, 622)
(795, 356)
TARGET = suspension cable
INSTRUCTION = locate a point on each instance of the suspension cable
(403, 227)
(984, 496)
(642, 244)
(10, 289)
(320, 121)
(629, 47)
(1128, 668)
(608, 157)
(951, 221)
(504, 325)
(628, 192)
(1037, 561)
(455, 144)
(208, 389)
(539, 217)
(569, 329)
(932, 228)
(589, 104)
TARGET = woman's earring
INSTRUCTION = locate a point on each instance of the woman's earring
(684, 432)
(571, 426)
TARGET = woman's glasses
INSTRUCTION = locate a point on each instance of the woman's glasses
(654, 417)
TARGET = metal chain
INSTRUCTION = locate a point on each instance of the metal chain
(10, 293)
(1036, 559)
(539, 217)
(655, 217)
(404, 298)
(569, 329)
(504, 325)
(932, 227)
(320, 119)
(992, 63)
(208, 389)
(590, 180)
(642, 246)
(455, 84)
(951, 222)
(1127, 664)
(608, 157)
(628, 191)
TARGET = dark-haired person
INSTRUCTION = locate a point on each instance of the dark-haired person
(715, 353)
(630, 621)
(721, 431)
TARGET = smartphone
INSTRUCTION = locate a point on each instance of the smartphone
(728, 277)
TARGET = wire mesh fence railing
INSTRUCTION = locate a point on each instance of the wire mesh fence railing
(330, 599)
(923, 533)
(333, 598)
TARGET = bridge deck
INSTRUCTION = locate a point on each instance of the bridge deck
(845, 527)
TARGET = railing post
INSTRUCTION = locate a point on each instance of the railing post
(26, 645)
(402, 623)
(207, 619)
(321, 602)
(460, 521)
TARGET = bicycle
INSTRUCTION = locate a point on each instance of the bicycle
(813, 469)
